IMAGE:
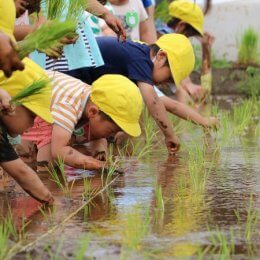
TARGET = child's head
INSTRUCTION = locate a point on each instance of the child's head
(187, 18)
(115, 105)
(173, 58)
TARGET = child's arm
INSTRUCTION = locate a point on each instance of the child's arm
(28, 180)
(9, 60)
(61, 149)
(158, 112)
(94, 7)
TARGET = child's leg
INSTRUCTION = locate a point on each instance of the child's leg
(19, 122)
(185, 112)
(44, 158)
(28, 180)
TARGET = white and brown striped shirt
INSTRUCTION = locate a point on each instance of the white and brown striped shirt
(69, 98)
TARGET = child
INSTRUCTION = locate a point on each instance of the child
(187, 19)
(113, 103)
(170, 58)
(23, 116)
(84, 51)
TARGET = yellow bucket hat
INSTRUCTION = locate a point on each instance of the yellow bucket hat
(119, 98)
(179, 53)
(188, 12)
(39, 104)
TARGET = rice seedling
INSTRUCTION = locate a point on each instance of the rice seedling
(35, 88)
(76, 9)
(248, 52)
(135, 228)
(159, 202)
(82, 247)
(55, 9)
(59, 177)
(46, 38)
(225, 246)
(242, 116)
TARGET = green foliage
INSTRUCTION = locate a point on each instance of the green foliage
(46, 37)
(82, 247)
(248, 52)
(35, 88)
(161, 11)
(59, 177)
(251, 85)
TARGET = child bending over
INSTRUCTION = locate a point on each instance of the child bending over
(113, 103)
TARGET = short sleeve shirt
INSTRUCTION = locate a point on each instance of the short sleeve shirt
(131, 14)
(130, 59)
(69, 98)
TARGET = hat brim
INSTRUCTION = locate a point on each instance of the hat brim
(132, 129)
(40, 111)
(173, 69)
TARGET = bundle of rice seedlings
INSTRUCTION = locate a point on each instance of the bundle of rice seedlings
(55, 8)
(76, 9)
(35, 88)
(46, 37)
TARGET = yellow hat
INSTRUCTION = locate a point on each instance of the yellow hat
(39, 104)
(179, 53)
(7, 21)
(119, 98)
(188, 12)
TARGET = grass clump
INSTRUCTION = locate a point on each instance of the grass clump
(248, 52)
(162, 11)
(59, 177)
(46, 37)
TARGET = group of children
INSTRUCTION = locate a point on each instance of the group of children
(97, 85)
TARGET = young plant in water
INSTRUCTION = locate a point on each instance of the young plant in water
(59, 177)
(159, 202)
(135, 228)
(82, 247)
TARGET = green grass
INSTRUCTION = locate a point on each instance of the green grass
(248, 52)
(82, 247)
(161, 11)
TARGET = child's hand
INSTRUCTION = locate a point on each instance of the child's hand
(5, 104)
(115, 24)
(9, 60)
(213, 122)
(173, 144)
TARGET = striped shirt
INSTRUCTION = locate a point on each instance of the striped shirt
(69, 98)
(61, 64)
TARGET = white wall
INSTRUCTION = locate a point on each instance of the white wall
(227, 21)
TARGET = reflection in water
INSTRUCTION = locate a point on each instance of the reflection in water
(202, 187)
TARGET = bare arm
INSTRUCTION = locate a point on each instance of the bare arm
(70, 156)
(147, 27)
(28, 180)
(94, 7)
(158, 112)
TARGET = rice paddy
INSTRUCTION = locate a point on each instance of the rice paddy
(201, 204)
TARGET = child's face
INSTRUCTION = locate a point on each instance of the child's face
(99, 127)
(161, 69)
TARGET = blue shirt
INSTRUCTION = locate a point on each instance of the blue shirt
(130, 59)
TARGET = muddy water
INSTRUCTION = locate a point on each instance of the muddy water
(191, 223)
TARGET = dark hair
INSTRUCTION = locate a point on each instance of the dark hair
(104, 116)
(190, 31)
(155, 49)
(34, 6)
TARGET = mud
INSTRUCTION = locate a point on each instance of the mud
(186, 227)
